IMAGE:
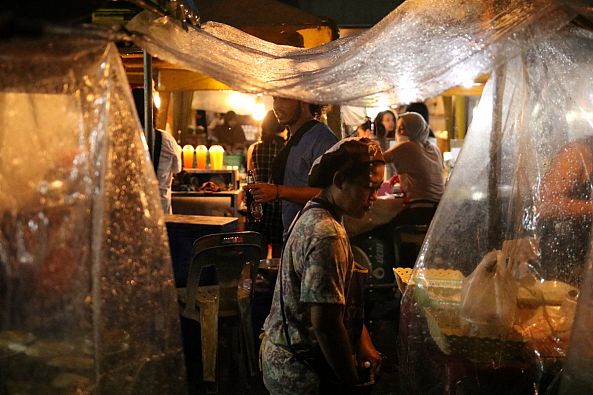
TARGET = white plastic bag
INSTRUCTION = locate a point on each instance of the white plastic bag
(489, 297)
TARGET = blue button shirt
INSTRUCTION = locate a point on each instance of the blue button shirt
(312, 145)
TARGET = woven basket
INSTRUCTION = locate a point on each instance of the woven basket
(454, 339)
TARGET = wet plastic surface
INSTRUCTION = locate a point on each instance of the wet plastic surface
(515, 221)
(419, 50)
(86, 286)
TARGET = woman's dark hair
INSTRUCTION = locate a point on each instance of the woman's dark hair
(366, 125)
(270, 126)
(316, 109)
(419, 108)
(379, 128)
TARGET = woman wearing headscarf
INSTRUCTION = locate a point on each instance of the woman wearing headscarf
(314, 342)
(418, 162)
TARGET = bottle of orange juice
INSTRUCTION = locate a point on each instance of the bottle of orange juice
(201, 155)
(216, 157)
(188, 156)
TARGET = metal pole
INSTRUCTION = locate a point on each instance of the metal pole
(494, 200)
(148, 125)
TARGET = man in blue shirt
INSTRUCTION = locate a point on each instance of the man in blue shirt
(308, 140)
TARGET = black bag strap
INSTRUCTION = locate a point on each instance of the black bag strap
(282, 306)
(279, 163)
(158, 143)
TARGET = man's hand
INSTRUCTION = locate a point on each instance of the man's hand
(262, 192)
(368, 358)
(333, 339)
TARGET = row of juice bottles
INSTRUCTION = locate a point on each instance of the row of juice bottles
(201, 153)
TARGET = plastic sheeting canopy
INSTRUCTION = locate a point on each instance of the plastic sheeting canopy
(87, 301)
(418, 51)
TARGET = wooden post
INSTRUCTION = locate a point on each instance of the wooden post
(460, 117)
(448, 109)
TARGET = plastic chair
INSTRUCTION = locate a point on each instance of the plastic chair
(219, 285)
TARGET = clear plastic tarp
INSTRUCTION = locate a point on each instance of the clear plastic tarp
(419, 50)
(494, 293)
(87, 300)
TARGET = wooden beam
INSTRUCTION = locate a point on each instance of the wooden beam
(184, 80)
(475, 90)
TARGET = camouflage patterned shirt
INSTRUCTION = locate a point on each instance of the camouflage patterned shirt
(317, 267)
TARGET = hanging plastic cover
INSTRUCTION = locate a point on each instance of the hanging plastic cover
(493, 295)
(87, 301)
(419, 50)
(577, 371)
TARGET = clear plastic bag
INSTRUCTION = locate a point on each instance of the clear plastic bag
(489, 297)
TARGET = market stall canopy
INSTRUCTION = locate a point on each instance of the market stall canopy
(266, 19)
(413, 53)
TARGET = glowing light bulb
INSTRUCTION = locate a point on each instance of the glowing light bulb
(258, 111)
(156, 98)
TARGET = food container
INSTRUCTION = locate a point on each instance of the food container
(434, 287)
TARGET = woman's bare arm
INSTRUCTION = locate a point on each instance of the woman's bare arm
(571, 166)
